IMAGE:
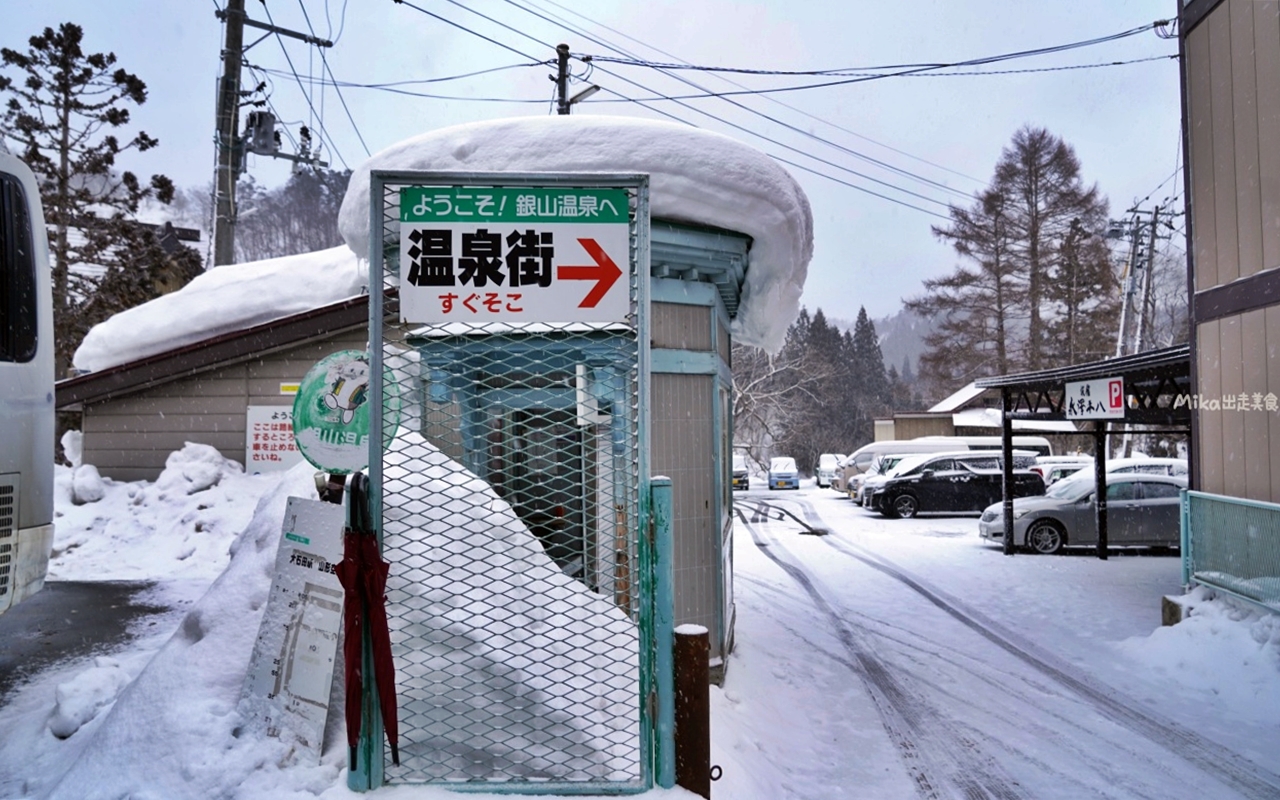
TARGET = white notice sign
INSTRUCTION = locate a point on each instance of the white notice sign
(1100, 399)
(286, 690)
(268, 440)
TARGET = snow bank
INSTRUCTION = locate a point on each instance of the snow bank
(695, 176)
(178, 527)
(1222, 647)
(222, 300)
(177, 724)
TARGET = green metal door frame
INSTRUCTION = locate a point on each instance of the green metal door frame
(382, 247)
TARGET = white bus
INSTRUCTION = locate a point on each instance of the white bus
(26, 386)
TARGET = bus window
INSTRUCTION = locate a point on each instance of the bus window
(18, 276)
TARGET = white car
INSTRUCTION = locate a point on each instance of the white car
(827, 463)
(1144, 465)
(783, 473)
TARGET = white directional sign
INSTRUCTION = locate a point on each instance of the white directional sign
(477, 254)
(1100, 399)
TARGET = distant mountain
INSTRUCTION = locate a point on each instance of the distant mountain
(901, 336)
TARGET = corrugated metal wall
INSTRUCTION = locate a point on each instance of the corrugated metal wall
(130, 438)
(683, 431)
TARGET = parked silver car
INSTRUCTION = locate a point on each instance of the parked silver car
(1142, 510)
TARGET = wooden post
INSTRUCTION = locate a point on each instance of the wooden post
(692, 651)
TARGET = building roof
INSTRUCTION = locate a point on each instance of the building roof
(1154, 381)
(958, 399)
(217, 351)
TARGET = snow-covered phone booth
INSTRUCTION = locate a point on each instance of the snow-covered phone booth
(567, 291)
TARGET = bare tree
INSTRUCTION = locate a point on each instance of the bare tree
(1032, 284)
(299, 217)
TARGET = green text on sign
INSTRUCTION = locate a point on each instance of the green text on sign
(482, 204)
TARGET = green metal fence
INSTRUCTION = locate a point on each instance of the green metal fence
(1233, 546)
(511, 506)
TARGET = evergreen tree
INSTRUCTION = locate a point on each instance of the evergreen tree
(64, 114)
(868, 362)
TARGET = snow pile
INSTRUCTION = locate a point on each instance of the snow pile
(1222, 646)
(80, 699)
(178, 717)
(695, 176)
(223, 300)
(175, 724)
(178, 527)
(545, 670)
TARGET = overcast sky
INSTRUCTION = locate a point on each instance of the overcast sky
(937, 136)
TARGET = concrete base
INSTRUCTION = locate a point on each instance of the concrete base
(1171, 611)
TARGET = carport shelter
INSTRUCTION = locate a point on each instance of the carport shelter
(1157, 392)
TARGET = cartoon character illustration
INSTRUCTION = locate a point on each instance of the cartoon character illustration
(349, 388)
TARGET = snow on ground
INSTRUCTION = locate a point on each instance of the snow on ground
(1050, 676)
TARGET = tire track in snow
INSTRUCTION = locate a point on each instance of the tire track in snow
(924, 737)
(1228, 767)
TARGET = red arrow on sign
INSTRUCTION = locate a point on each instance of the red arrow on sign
(604, 272)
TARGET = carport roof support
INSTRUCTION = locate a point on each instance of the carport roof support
(1153, 382)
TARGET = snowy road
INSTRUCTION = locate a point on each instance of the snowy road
(907, 658)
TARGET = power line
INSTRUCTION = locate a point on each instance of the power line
(468, 30)
(894, 69)
(446, 78)
(323, 133)
(788, 126)
(325, 62)
(727, 122)
(775, 100)
(685, 105)
(802, 87)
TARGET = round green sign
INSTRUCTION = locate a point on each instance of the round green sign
(331, 412)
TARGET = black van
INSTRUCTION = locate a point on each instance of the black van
(952, 482)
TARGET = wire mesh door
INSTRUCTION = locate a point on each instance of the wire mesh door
(510, 510)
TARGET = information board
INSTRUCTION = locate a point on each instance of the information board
(286, 690)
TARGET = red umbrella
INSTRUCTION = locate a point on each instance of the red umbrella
(363, 575)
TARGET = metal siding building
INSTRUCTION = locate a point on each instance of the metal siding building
(1231, 96)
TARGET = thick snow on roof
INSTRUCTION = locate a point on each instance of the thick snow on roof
(223, 300)
(695, 176)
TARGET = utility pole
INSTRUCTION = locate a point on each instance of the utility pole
(1147, 282)
(563, 101)
(562, 79)
(261, 135)
(224, 181)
